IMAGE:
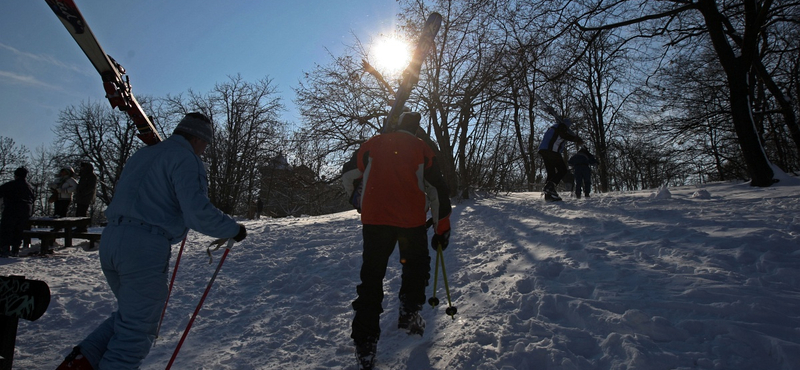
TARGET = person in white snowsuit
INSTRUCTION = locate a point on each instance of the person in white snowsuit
(162, 192)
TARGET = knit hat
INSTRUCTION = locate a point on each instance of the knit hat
(409, 121)
(70, 171)
(197, 125)
(21, 172)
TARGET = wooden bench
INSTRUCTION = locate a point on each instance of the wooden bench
(91, 237)
(48, 237)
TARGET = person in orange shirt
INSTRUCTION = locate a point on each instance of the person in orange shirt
(399, 180)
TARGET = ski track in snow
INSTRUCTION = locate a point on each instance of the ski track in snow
(617, 281)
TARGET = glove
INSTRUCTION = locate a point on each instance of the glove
(241, 235)
(442, 240)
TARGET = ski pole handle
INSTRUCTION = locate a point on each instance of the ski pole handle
(217, 244)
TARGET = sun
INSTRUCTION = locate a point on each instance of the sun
(390, 54)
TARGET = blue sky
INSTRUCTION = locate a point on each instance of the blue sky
(168, 47)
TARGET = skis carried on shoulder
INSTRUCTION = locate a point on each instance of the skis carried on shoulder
(115, 82)
(411, 73)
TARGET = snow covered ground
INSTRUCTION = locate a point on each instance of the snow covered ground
(688, 278)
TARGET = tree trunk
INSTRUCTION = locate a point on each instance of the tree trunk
(736, 70)
(783, 101)
(758, 166)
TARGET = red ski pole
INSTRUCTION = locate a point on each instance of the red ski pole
(202, 299)
(169, 292)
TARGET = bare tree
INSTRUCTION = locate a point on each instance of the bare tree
(96, 133)
(341, 105)
(12, 156)
(733, 28)
(247, 132)
(457, 91)
(606, 81)
(43, 160)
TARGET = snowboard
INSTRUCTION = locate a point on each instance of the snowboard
(411, 73)
(22, 298)
(116, 84)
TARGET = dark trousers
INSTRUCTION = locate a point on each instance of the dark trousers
(62, 207)
(11, 234)
(583, 179)
(81, 210)
(379, 242)
(555, 166)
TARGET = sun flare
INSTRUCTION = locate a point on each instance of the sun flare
(390, 54)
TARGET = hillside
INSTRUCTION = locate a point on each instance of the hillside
(687, 278)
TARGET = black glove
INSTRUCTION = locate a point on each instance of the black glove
(241, 235)
(442, 240)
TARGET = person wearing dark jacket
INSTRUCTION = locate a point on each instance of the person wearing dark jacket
(400, 181)
(582, 162)
(551, 148)
(86, 192)
(17, 198)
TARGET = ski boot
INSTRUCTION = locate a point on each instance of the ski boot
(75, 361)
(365, 353)
(412, 323)
(550, 193)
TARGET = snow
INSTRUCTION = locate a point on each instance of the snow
(663, 279)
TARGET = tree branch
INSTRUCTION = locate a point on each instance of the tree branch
(638, 20)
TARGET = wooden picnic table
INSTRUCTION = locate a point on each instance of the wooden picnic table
(61, 227)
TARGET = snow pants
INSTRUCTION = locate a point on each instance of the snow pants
(81, 210)
(379, 242)
(11, 228)
(555, 166)
(135, 260)
(61, 207)
(583, 179)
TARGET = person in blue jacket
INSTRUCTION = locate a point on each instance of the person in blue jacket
(161, 194)
(551, 148)
(582, 162)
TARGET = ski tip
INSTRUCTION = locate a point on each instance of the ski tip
(434, 20)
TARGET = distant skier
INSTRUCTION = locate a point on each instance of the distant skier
(396, 169)
(582, 162)
(551, 148)
(162, 192)
(17, 198)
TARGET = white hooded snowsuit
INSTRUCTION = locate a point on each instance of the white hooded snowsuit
(163, 191)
